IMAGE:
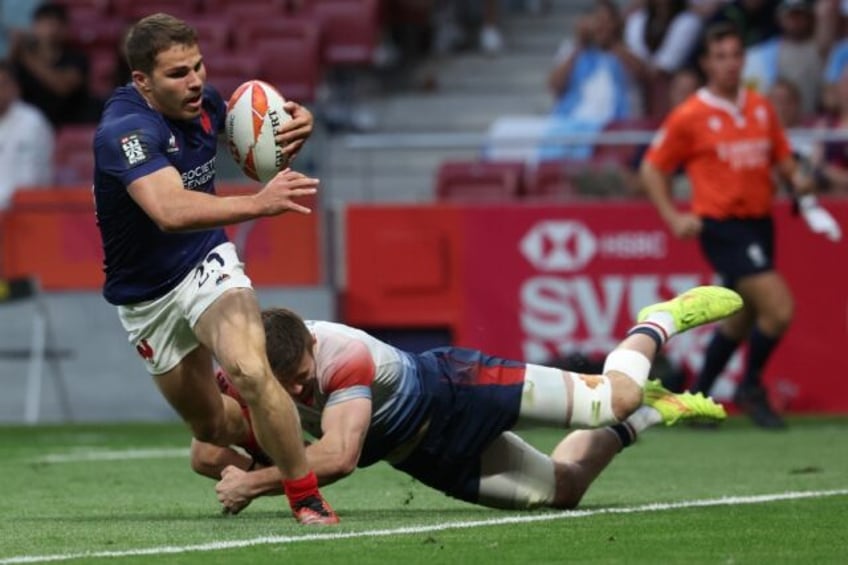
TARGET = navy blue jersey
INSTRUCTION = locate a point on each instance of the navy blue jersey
(133, 140)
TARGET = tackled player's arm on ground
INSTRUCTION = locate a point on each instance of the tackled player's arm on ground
(210, 460)
(332, 457)
(344, 427)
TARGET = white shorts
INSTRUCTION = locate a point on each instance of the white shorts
(162, 330)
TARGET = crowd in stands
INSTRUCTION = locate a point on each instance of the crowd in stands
(626, 64)
(622, 66)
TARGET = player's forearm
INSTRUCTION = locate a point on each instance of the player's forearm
(209, 460)
(197, 211)
(329, 463)
(658, 188)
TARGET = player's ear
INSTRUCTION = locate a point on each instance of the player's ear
(141, 81)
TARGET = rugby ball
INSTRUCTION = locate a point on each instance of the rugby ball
(254, 112)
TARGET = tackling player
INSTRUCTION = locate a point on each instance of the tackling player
(729, 140)
(179, 286)
(444, 416)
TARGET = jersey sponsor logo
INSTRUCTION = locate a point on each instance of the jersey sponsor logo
(745, 154)
(200, 175)
(762, 115)
(133, 148)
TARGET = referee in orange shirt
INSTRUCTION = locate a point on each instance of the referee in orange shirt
(729, 140)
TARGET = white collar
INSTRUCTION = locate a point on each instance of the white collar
(719, 103)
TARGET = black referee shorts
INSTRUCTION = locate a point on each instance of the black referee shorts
(738, 247)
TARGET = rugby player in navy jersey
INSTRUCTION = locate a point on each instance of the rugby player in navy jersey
(178, 284)
(445, 416)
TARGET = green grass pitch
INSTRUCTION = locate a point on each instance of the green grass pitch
(125, 494)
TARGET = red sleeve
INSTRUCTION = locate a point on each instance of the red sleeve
(671, 144)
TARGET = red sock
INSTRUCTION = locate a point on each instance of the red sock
(298, 489)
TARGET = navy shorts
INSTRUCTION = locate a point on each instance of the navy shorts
(738, 248)
(477, 398)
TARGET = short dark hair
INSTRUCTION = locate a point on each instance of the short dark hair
(719, 32)
(286, 340)
(151, 35)
(51, 10)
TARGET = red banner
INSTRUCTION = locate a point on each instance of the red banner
(542, 282)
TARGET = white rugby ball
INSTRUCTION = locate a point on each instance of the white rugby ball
(254, 112)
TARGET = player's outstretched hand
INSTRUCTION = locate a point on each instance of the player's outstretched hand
(278, 195)
(685, 225)
(232, 490)
(818, 219)
(294, 133)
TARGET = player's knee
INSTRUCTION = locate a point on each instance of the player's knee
(626, 395)
(249, 374)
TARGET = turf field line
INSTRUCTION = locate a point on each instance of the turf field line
(113, 455)
(427, 528)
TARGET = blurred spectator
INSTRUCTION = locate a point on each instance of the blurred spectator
(26, 140)
(682, 84)
(454, 21)
(786, 99)
(52, 76)
(837, 60)
(491, 38)
(663, 33)
(830, 159)
(795, 54)
(596, 80)
(14, 18)
(755, 19)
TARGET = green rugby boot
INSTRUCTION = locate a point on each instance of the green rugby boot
(696, 307)
(685, 407)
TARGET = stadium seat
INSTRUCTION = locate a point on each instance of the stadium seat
(219, 7)
(291, 62)
(102, 72)
(623, 154)
(132, 10)
(236, 13)
(226, 70)
(350, 28)
(479, 181)
(551, 180)
(98, 34)
(212, 32)
(74, 155)
(251, 31)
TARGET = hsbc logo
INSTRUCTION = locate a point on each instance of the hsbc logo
(568, 245)
(559, 245)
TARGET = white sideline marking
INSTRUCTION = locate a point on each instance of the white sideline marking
(520, 519)
(114, 455)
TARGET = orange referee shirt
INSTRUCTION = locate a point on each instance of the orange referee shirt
(727, 150)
